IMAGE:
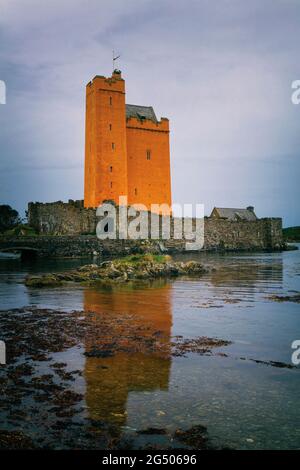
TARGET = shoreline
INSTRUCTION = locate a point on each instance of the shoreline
(41, 384)
(39, 381)
(77, 377)
(88, 246)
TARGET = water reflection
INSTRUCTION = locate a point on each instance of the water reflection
(251, 274)
(244, 278)
(109, 381)
(243, 404)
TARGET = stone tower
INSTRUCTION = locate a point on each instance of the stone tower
(105, 140)
(126, 148)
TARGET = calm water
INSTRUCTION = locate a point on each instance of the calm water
(242, 403)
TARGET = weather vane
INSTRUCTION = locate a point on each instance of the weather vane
(114, 58)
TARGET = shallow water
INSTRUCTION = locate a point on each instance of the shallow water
(243, 404)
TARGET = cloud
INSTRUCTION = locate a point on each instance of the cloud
(221, 71)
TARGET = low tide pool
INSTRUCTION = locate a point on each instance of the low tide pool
(152, 385)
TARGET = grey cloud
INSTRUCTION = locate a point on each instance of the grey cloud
(221, 71)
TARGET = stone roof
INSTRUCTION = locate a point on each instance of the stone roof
(140, 112)
(234, 214)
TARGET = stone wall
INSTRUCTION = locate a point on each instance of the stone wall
(60, 218)
(219, 234)
(259, 234)
(73, 246)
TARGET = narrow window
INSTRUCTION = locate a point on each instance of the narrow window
(148, 153)
(110, 126)
(110, 169)
(110, 100)
(135, 191)
(113, 145)
(111, 184)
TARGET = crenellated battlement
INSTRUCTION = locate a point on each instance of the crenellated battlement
(115, 83)
(148, 124)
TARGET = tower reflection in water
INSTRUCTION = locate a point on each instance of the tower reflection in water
(109, 380)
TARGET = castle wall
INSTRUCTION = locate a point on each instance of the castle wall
(60, 218)
(148, 178)
(259, 234)
(76, 246)
(72, 218)
(221, 234)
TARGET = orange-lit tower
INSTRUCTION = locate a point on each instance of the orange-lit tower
(127, 149)
(105, 141)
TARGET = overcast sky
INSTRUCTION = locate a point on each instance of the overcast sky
(221, 71)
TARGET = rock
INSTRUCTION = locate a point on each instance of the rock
(114, 273)
(14, 440)
(133, 267)
(42, 281)
(193, 267)
(152, 431)
(88, 267)
(103, 353)
(195, 437)
(105, 264)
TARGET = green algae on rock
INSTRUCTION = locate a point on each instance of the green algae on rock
(130, 268)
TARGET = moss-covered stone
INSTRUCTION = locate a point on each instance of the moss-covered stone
(48, 280)
(133, 267)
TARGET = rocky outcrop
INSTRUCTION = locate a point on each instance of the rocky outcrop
(135, 267)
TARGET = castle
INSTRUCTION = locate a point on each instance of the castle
(127, 149)
(127, 154)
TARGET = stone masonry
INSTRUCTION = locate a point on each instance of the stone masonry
(75, 225)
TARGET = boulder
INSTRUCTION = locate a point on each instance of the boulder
(133, 267)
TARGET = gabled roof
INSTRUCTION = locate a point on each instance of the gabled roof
(234, 214)
(140, 112)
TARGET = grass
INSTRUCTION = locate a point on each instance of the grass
(291, 234)
(20, 230)
(141, 258)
